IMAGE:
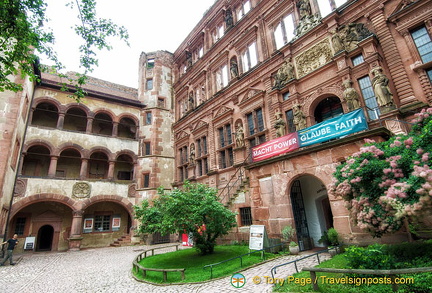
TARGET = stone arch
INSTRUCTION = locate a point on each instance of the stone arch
(104, 150)
(69, 145)
(313, 100)
(49, 100)
(39, 142)
(107, 112)
(124, 202)
(128, 153)
(43, 197)
(79, 106)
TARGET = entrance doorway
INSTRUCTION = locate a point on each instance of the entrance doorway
(45, 238)
(311, 210)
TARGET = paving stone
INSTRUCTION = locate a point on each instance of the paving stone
(109, 270)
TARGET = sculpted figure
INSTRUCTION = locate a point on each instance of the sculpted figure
(337, 42)
(351, 96)
(239, 135)
(228, 19)
(191, 101)
(299, 118)
(284, 74)
(192, 154)
(381, 89)
(279, 125)
(304, 8)
(234, 68)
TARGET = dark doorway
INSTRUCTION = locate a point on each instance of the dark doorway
(45, 238)
(300, 219)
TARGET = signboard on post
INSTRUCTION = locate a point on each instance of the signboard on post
(29, 243)
(258, 237)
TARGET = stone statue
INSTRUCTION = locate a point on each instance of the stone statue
(380, 86)
(189, 59)
(307, 19)
(239, 135)
(192, 154)
(280, 125)
(351, 96)
(228, 19)
(304, 8)
(191, 101)
(299, 118)
(337, 42)
(284, 74)
(234, 68)
(347, 36)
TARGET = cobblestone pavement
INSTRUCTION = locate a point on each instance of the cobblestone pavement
(109, 270)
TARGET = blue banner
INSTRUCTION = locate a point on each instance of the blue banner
(337, 127)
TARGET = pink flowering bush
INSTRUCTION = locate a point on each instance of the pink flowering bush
(385, 183)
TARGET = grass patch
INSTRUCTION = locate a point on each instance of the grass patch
(193, 262)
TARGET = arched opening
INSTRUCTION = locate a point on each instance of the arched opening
(75, 120)
(36, 161)
(98, 166)
(45, 238)
(124, 167)
(45, 114)
(69, 164)
(127, 128)
(102, 124)
(328, 108)
(311, 210)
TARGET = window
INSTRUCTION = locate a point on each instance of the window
(201, 160)
(102, 223)
(245, 216)
(328, 108)
(182, 168)
(356, 60)
(285, 96)
(146, 180)
(423, 43)
(149, 84)
(200, 52)
(148, 118)
(369, 97)
(226, 155)
(290, 121)
(150, 63)
(284, 31)
(161, 102)
(20, 225)
(327, 6)
(147, 148)
(244, 8)
(218, 32)
(221, 77)
(249, 57)
(255, 126)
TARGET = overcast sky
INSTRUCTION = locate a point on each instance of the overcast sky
(152, 24)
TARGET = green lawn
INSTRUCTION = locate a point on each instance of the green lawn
(194, 263)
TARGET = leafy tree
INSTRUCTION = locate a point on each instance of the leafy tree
(24, 31)
(193, 209)
(388, 183)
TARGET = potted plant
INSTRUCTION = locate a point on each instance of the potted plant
(288, 233)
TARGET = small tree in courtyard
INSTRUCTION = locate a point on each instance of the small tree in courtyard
(194, 209)
(387, 183)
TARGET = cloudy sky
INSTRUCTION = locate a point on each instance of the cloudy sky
(152, 24)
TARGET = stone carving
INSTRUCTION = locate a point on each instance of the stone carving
(279, 125)
(191, 102)
(234, 68)
(20, 187)
(228, 19)
(192, 154)
(347, 37)
(132, 190)
(189, 59)
(307, 19)
(299, 118)
(313, 58)
(284, 74)
(380, 86)
(81, 190)
(239, 135)
(351, 96)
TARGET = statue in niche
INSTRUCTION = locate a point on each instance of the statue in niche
(234, 68)
(284, 74)
(304, 8)
(239, 135)
(380, 86)
(351, 96)
(228, 19)
(191, 101)
(279, 125)
(192, 154)
(189, 59)
(299, 118)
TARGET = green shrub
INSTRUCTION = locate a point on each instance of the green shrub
(372, 257)
(333, 236)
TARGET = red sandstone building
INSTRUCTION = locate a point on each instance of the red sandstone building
(252, 77)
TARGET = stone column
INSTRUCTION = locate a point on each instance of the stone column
(115, 129)
(76, 228)
(52, 167)
(89, 127)
(111, 170)
(60, 121)
(84, 169)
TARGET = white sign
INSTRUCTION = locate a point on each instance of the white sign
(29, 243)
(258, 237)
